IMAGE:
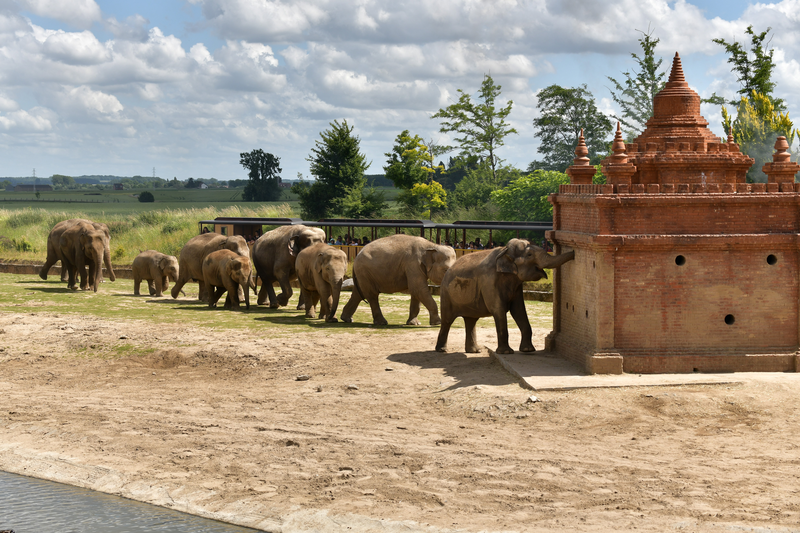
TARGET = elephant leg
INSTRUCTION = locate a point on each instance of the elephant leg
(419, 290)
(51, 260)
(203, 293)
(137, 282)
(164, 285)
(352, 304)
(311, 311)
(520, 316)
(501, 325)
(153, 287)
(70, 269)
(301, 302)
(232, 301)
(413, 312)
(179, 283)
(325, 303)
(64, 272)
(377, 315)
(444, 331)
(471, 343)
(214, 295)
(286, 292)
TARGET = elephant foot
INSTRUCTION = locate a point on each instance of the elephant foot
(504, 350)
(43, 274)
(311, 315)
(274, 305)
(331, 319)
(441, 349)
(300, 307)
(347, 319)
(412, 322)
(380, 322)
(112, 277)
(528, 349)
(282, 300)
(435, 321)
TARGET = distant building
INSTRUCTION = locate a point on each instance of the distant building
(203, 186)
(118, 187)
(28, 187)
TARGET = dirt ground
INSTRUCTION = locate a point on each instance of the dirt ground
(371, 430)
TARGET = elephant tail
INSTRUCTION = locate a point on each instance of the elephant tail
(355, 284)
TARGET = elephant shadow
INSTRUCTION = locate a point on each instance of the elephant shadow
(54, 290)
(468, 371)
(297, 317)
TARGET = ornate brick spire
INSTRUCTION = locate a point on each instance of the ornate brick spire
(781, 170)
(581, 171)
(616, 167)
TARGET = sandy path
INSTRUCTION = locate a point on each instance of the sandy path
(215, 422)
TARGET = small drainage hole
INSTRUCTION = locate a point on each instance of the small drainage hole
(680, 260)
(771, 259)
(730, 319)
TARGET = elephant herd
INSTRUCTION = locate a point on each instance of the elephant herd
(480, 284)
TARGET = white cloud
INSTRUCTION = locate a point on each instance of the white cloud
(78, 13)
(75, 48)
(36, 120)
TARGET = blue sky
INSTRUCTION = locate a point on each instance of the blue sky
(119, 87)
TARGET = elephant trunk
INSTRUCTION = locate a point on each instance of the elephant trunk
(336, 287)
(548, 261)
(107, 261)
(246, 290)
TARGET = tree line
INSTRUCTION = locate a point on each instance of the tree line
(476, 180)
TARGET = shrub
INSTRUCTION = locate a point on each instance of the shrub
(118, 227)
(146, 196)
(174, 225)
(22, 244)
(152, 218)
(118, 254)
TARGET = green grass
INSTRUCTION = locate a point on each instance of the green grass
(29, 294)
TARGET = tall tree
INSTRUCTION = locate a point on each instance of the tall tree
(481, 126)
(408, 165)
(634, 95)
(263, 171)
(525, 198)
(753, 68)
(564, 111)
(338, 166)
(755, 129)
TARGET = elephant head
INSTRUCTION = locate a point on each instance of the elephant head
(331, 266)
(236, 243)
(437, 261)
(90, 246)
(528, 261)
(168, 265)
(238, 269)
(304, 239)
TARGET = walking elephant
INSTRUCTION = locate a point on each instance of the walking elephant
(54, 248)
(398, 263)
(320, 270)
(225, 270)
(190, 262)
(274, 255)
(489, 283)
(157, 269)
(82, 245)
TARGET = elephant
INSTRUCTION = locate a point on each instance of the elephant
(225, 270)
(157, 269)
(54, 248)
(489, 283)
(82, 245)
(398, 263)
(320, 270)
(274, 255)
(190, 263)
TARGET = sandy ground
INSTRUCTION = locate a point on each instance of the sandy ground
(385, 434)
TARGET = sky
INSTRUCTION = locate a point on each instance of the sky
(180, 88)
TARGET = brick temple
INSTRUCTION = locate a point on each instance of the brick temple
(680, 265)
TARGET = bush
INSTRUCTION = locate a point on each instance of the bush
(146, 196)
(118, 254)
(22, 244)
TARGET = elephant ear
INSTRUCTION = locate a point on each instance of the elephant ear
(505, 262)
(429, 259)
(294, 247)
(163, 262)
(319, 263)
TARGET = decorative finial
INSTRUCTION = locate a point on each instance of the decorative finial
(619, 147)
(781, 154)
(581, 152)
(676, 75)
(730, 138)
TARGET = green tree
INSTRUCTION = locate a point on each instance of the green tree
(564, 111)
(753, 68)
(146, 196)
(756, 126)
(263, 171)
(481, 126)
(634, 95)
(525, 198)
(476, 187)
(431, 195)
(63, 182)
(410, 164)
(338, 166)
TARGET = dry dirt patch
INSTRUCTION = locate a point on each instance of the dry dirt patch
(216, 422)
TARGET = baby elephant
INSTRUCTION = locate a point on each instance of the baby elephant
(157, 269)
(320, 271)
(225, 270)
